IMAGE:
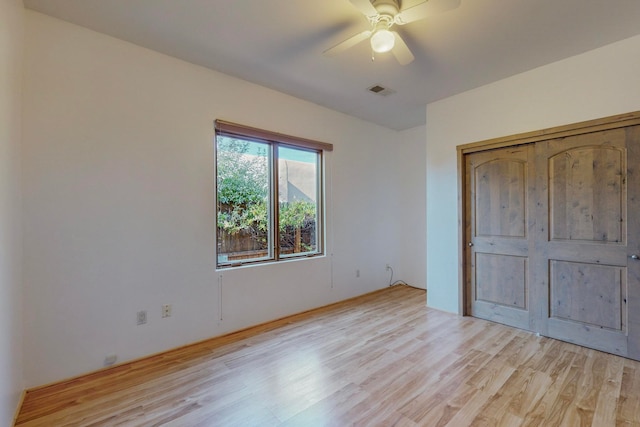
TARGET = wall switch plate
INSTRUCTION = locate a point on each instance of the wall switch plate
(142, 317)
(166, 310)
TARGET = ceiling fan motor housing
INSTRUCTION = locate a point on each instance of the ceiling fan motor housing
(387, 9)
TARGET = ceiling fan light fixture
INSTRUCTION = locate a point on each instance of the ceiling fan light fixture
(382, 41)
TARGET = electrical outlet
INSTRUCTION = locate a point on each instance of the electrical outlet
(142, 317)
(357, 273)
(110, 359)
(388, 267)
(166, 310)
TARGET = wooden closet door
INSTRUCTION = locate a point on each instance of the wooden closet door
(499, 188)
(586, 239)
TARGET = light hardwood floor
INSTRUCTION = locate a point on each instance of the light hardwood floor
(383, 359)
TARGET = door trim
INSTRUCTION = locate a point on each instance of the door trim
(606, 123)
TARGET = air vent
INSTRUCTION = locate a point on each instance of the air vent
(379, 90)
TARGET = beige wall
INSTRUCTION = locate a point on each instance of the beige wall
(297, 181)
(11, 45)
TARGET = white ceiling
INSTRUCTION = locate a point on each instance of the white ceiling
(279, 44)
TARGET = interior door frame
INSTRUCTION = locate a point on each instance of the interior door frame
(606, 123)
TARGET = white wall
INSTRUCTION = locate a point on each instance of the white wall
(410, 207)
(596, 84)
(119, 212)
(11, 45)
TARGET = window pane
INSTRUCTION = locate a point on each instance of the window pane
(298, 201)
(243, 205)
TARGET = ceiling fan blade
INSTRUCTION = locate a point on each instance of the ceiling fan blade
(423, 10)
(401, 50)
(365, 7)
(348, 43)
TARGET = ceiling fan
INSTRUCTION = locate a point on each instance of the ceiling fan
(382, 15)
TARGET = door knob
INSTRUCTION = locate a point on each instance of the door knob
(471, 244)
(634, 256)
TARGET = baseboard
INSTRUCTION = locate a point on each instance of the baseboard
(18, 407)
(227, 337)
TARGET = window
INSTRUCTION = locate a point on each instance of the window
(269, 195)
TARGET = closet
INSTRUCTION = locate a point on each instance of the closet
(550, 226)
